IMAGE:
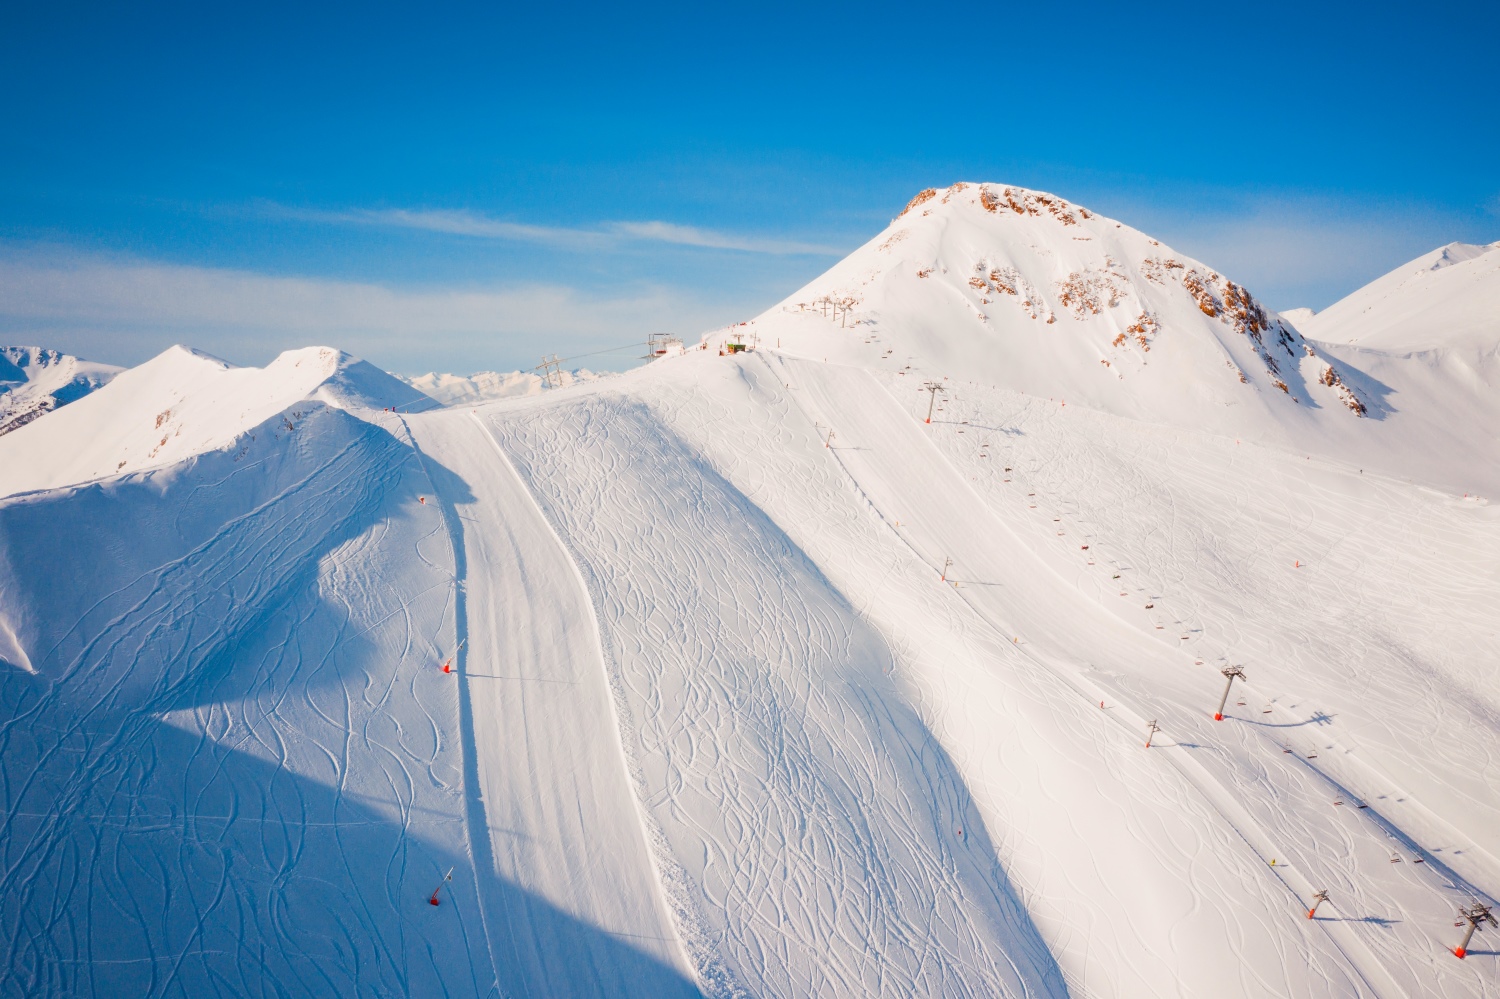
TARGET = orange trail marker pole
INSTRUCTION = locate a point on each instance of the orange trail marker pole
(448, 666)
(1474, 915)
(1318, 899)
(1231, 673)
(446, 878)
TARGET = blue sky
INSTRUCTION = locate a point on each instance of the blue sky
(466, 188)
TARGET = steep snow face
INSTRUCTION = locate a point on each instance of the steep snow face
(182, 403)
(1447, 298)
(216, 708)
(35, 381)
(1024, 290)
(456, 390)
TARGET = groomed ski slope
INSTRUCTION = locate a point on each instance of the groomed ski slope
(553, 811)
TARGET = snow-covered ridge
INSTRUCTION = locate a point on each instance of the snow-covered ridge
(1449, 297)
(35, 381)
(456, 390)
(181, 403)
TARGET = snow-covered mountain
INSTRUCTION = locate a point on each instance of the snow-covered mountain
(482, 386)
(35, 381)
(734, 676)
(1024, 290)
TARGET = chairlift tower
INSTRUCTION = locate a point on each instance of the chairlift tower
(1231, 673)
(551, 367)
(1475, 916)
(934, 388)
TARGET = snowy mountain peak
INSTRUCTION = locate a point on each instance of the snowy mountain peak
(1026, 290)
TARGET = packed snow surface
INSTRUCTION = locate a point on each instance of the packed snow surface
(736, 676)
(35, 381)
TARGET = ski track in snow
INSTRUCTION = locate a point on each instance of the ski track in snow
(551, 812)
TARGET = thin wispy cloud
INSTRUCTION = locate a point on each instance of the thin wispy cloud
(606, 235)
(1296, 250)
(124, 311)
(667, 232)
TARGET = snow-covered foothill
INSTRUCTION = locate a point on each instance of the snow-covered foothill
(35, 381)
(184, 402)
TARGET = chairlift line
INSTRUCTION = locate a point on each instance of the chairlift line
(552, 360)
